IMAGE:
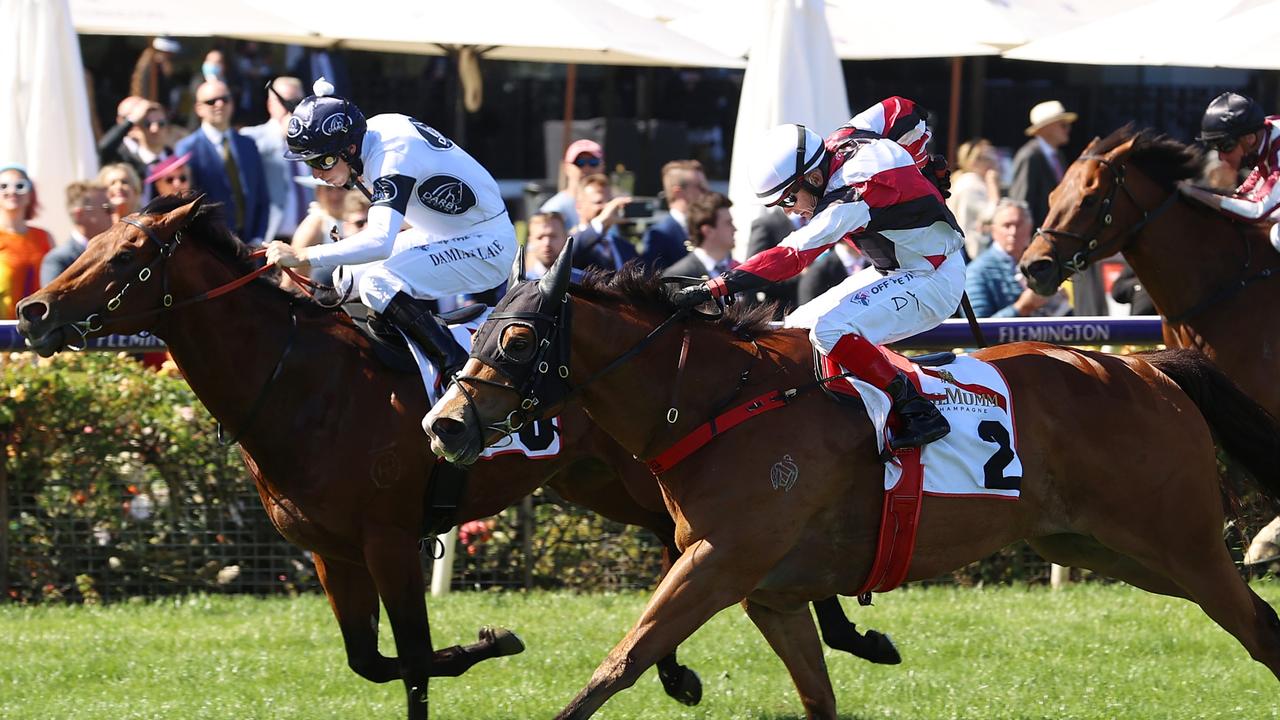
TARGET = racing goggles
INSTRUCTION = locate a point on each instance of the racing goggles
(322, 162)
(788, 198)
(1223, 145)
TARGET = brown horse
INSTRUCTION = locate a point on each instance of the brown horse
(1208, 275)
(1120, 472)
(332, 437)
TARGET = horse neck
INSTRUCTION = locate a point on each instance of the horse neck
(632, 402)
(1187, 254)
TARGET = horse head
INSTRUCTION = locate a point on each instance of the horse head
(1100, 205)
(118, 285)
(521, 350)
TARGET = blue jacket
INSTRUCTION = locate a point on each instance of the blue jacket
(209, 176)
(992, 284)
(664, 243)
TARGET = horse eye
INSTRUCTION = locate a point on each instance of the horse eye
(517, 344)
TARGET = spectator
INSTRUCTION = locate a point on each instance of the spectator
(767, 231)
(253, 70)
(22, 247)
(324, 216)
(1127, 289)
(288, 200)
(711, 235)
(828, 271)
(139, 137)
(225, 165)
(90, 215)
(1038, 167)
(171, 176)
(975, 190)
(153, 75)
(993, 283)
(355, 213)
(582, 158)
(547, 236)
(124, 189)
(683, 182)
(597, 240)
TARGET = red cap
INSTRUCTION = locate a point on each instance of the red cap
(166, 166)
(583, 147)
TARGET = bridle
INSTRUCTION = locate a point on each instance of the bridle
(1090, 247)
(532, 380)
(95, 321)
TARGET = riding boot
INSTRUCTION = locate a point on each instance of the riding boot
(921, 423)
(415, 318)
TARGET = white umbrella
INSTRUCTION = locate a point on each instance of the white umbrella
(791, 34)
(45, 122)
(245, 19)
(560, 31)
(1235, 33)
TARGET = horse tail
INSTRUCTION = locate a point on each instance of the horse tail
(1244, 429)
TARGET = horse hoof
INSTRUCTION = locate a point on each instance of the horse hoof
(881, 649)
(685, 687)
(503, 640)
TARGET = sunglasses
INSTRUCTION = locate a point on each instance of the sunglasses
(157, 123)
(176, 179)
(587, 162)
(322, 162)
(21, 187)
(103, 206)
(214, 101)
(1225, 145)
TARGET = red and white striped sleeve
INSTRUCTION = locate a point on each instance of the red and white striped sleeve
(900, 120)
(1259, 196)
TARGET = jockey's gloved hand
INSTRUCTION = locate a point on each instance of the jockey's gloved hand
(692, 296)
(938, 171)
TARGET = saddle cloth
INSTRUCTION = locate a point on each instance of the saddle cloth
(979, 457)
(536, 440)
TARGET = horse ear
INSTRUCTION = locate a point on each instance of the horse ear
(555, 283)
(517, 269)
(178, 216)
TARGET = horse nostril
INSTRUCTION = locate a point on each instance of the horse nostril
(1037, 268)
(447, 427)
(33, 310)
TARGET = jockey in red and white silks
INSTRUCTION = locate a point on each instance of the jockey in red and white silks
(863, 182)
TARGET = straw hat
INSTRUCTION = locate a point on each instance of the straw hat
(1047, 113)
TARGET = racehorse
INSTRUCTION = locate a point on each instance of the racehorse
(331, 436)
(1207, 273)
(1119, 466)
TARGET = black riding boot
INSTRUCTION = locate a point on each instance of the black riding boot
(921, 421)
(422, 326)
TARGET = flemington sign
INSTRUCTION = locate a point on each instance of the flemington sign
(948, 335)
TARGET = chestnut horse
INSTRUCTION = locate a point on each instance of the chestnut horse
(1120, 471)
(333, 438)
(1210, 276)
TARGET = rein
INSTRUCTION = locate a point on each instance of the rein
(1090, 246)
(1231, 289)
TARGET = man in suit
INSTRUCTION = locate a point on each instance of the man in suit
(225, 164)
(1038, 167)
(767, 231)
(288, 200)
(683, 182)
(90, 215)
(598, 243)
(711, 235)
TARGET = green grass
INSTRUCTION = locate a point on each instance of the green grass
(1087, 652)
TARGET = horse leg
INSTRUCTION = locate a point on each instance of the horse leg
(678, 681)
(841, 634)
(354, 602)
(704, 581)
(794, 638)
(392, 559)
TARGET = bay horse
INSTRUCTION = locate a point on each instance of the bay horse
(332, 437)
(1120, 472)
(1211, 277)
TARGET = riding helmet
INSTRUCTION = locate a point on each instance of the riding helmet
(1230, 115)
(787, 153)
(323, 124)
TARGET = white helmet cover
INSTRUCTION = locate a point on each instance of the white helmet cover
(789, 152)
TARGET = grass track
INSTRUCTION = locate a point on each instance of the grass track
(1088, 652)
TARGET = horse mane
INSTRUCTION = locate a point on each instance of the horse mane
(635, 285)
(1158, 156)
(208, 221)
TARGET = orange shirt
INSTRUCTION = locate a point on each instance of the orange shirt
(20, 257)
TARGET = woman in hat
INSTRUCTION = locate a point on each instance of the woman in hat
(170, 176)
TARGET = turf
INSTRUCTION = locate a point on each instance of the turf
(1093, 651)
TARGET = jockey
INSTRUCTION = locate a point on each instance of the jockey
(465, 242)
(1243, 136)
(864, 182)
